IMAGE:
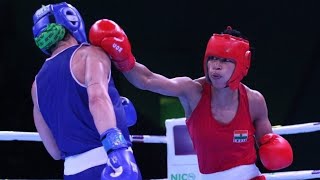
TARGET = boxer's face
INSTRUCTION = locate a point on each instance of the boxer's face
(220, 70)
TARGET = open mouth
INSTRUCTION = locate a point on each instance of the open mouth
(216, 76)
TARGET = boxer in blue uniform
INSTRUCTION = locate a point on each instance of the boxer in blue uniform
(78, 112)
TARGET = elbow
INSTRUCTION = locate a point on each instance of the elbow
(56, 155)
(56, 158)
(97, 100)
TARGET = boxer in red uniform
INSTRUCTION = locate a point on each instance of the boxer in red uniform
(225, 118)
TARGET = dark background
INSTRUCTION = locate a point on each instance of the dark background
(170, 37)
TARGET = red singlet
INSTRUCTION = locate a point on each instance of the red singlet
(222, 146)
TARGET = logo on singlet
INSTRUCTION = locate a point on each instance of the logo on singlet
(240, 136)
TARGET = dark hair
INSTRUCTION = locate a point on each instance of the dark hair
(234, 32)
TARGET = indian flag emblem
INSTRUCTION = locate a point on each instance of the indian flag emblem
(240, 136)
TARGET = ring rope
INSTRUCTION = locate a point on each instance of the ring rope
(281, 130)
(293, 175)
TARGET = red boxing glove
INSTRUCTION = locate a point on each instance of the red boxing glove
(275, 152)
(109, 35)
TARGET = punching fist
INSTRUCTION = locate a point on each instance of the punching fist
(131, 114)
(109, 36)
(121, 163)
(275, 152)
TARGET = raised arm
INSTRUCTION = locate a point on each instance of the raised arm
(108, 35)
(141, 77)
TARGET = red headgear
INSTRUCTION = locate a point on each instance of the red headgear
(231, 47)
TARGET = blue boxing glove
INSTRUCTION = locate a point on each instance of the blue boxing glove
(121, 164)
(131, 113)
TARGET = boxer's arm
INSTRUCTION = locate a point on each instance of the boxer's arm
(275, 152)
(110, 36)
(97, 72)
(259, 112)
(43, 129)
(97, 75)
(141, 77)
